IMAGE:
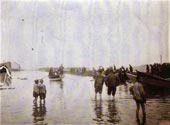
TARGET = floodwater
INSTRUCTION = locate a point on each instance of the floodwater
(72, 102)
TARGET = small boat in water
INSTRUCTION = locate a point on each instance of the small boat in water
(55, 75)
(151, 80)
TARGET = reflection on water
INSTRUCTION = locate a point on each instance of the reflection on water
(60, 83)
(98, 109)
(141, 122)
(113, 116)
(39, 112)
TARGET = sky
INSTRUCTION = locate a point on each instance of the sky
(86, 33)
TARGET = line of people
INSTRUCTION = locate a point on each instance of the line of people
(39, 90)
(162, 70)
(111, 80)
(110, 77)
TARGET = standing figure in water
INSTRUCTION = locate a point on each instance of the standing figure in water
(35, 91)
(42, 90)
(111, 82)
(99, 80)
(137, 90)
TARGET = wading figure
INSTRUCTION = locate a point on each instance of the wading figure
(99, 80)
(111, 82)
(139, 96)
(35, 91)
(42, 90)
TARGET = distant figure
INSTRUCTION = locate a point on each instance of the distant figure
(35, 91)
(127, 69)
(139, 96)
(130, 68)
(114, 68)
(152, 69)
(61, 69)
(99, 80)
(111, 82)
(42, 90)
(147, 68)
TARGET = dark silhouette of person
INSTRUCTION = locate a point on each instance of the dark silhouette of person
(111, 82)
(42, 90)
(147, 68)
(99, 81)
(139, 95)
(130, 68)
(61, 69)
(114, 68)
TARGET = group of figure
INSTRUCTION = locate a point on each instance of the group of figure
(162, 70)
(111, 80)
(39, 90)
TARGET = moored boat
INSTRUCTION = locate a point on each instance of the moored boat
(5, 75)
(55, 75)
(154, 80)
(150, 80)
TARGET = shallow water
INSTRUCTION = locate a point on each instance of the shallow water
(72, 102)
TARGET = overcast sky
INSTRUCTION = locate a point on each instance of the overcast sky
(79, 33)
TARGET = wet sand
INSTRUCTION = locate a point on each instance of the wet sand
(72, 102)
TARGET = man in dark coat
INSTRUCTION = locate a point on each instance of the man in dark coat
(111, 82)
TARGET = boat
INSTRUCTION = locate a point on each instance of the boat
(154, 80)
(55, 75)
(150, 80)
(131, 77)
(5, 75)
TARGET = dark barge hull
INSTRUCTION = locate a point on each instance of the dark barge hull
(154, 80)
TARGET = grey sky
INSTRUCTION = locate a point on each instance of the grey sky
(79, 33)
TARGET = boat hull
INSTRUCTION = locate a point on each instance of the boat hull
(2, 77)
(56, 78)
(154, 80)
(150, 80)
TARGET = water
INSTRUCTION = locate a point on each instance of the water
(72, 102)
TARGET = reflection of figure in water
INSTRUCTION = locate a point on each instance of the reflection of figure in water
(39, 112)
(139, 96)
(111, 83)
(61, 85)
(35, 111)
(42, 90)
(98, 110)
(35, 91)
(99, 80)
(113, 114)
